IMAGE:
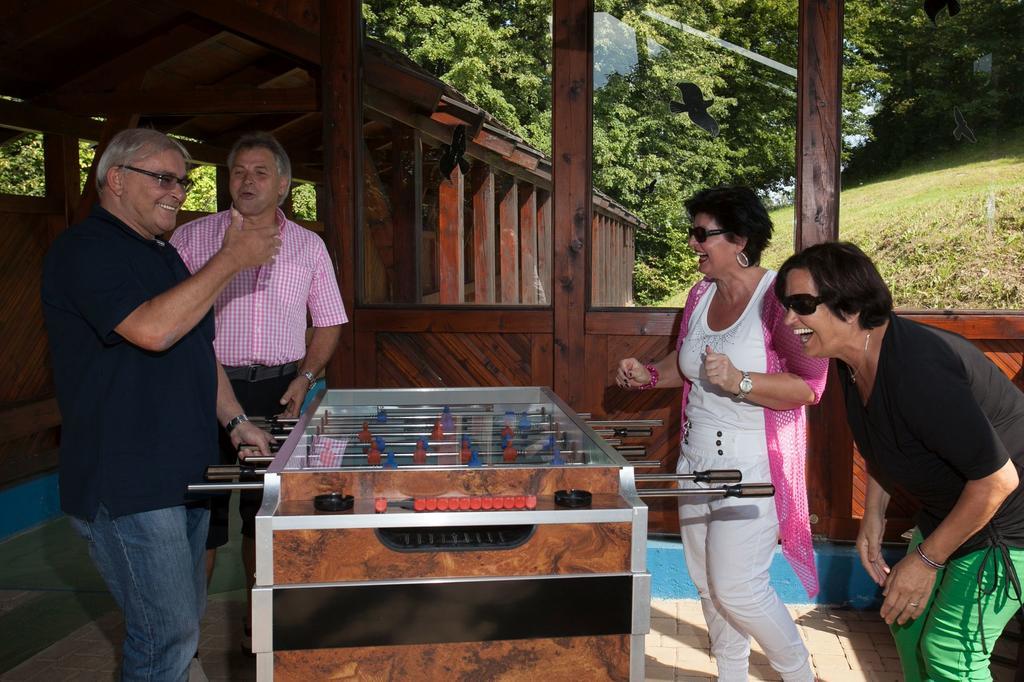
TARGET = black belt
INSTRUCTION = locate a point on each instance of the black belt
(252, 373)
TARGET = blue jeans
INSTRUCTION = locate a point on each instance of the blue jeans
(154, 565)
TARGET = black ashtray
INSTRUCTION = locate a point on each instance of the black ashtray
(573, 499)
(333, 502)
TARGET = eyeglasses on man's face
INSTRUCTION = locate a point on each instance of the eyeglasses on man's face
(165, 180)
(701, 234)
(802, 304)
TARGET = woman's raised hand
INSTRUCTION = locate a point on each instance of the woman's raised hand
(632, 374)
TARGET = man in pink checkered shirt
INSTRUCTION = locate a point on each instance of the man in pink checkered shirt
(261, 314)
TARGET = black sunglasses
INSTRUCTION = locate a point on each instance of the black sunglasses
(165, 180)
(701, 234)
(802, 304)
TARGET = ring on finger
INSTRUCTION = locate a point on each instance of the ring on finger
(913, 603)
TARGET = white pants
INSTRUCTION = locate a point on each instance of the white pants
(729, 544)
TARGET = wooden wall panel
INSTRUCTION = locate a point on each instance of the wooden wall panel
(604, 400)
(25, 373)
(465, 359)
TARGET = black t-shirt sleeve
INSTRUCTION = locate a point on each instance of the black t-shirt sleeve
(940, 410)
(104, 289)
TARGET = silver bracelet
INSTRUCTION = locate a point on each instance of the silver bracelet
(235, 423)
(924, 557)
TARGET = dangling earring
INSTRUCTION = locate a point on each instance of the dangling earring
(742, 259)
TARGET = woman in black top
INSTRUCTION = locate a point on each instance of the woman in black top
(931, 413)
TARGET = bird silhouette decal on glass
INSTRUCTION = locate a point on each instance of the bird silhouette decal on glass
(453, 154)
(695, 106)
(962, 130)
(933, 7)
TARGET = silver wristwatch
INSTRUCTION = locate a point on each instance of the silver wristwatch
(310, 377)
(746, 386)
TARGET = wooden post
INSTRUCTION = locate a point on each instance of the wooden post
(406, 195)
(819, 64)
(451, 263)
(819, 79)
(60, 159)
(341, 82)
(544, 245)
(571, 140)
(508, 225)
(224, 188)
(527, 243)
(90, 195)
(482, 182)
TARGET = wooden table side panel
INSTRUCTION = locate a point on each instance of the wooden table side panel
(312, 556)
(570, 658)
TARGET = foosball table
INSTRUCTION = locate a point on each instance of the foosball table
(449, 534)
(466, 533)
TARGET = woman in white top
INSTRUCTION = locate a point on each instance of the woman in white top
(745, 383)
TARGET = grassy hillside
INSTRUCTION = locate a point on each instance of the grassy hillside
(945, 233)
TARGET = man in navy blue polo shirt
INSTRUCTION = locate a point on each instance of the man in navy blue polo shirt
(140, 393)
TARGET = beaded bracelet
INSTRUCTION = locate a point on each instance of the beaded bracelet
(924, 557)
(653, 381)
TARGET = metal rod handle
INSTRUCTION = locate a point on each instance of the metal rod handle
(708, 476)
(738, 490)
(218, 487)
(639, 464)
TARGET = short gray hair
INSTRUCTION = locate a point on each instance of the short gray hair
(262, 140)
(135, 144)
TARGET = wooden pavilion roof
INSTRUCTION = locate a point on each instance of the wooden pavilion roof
(210, 70)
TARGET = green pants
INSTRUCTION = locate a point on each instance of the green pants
(945, 642)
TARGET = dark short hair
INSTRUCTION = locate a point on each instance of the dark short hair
(738, 210)
(848, 282)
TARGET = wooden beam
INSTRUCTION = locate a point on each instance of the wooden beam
(31, 118)
(395, 108)
(527, 243)
(544, 245)
(508, 243)
(819, 64)
(26, 420)
(156, 48)
(27, 21)
(406, 192)
(341, 80)
(457, 320)
(819, 109)
(483, 233)
(90, 195)
(571, 140)
(193, 102)
(60, 158)
(269, 31)
(450, 260)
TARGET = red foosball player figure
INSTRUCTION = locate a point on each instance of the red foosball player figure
(420, 454)
(438, 432)
(507, 431)
(466, 453)
(365, 436)
(373, 455)
(509, 454)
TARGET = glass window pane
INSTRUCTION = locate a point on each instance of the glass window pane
(457, 127)
(687, 96)
(934, 151)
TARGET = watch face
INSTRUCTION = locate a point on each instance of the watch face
(746, 384)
